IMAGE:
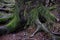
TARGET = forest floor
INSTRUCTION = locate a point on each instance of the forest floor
(24, 35)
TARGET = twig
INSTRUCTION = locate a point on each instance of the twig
(5, 10)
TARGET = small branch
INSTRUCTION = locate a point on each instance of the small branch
(5, 10)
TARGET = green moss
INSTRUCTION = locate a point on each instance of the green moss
(44, 11)
(33, 15)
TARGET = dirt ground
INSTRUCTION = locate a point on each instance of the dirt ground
(24, 35)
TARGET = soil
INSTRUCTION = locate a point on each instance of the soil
(25, 35)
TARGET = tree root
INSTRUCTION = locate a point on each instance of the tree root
(42, 26)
